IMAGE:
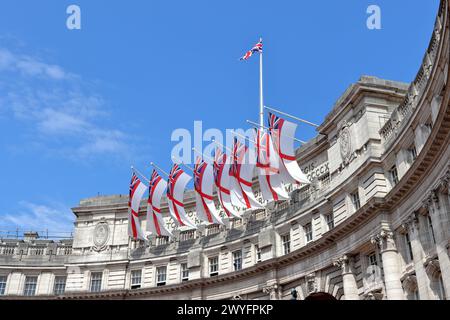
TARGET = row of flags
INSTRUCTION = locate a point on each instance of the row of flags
(229, 178)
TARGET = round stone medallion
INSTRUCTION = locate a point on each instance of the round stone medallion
(101, 234)
(346, 144)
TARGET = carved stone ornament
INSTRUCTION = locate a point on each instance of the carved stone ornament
(272, 291)
(433, 268)
(101, 235)
(345, 143)
(410, 283)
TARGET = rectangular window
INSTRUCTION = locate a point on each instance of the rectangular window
(258, 253)
(136, 279)
(413, 152)
(430, 229)
(184, 272)
(308, 232)
(286, 241)
(355, 200)
(329, 218)
(96, 281)
(214, 266)
(30, 286)
(161, 276)
(409, 252)
(60, 285)
(237, 260)
(394, 175)
(372, 259)
(2, 285)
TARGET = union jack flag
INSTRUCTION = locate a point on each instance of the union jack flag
(199, 169)
(220, 159)
(175, 173)
(237, 155)
(257, 48)
(133, 185)
(154, 179)
(275, 123)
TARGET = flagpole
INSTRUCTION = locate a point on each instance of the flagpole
(293, 117)
(182, 163)
(255, 125)
(156, 167)
(261, 100)
(139, 173)
(202, 155)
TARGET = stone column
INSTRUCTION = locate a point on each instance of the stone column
(348, 277)
(389, 255)
(437, 204)
(411, 224)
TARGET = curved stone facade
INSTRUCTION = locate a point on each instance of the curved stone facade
(374, 224)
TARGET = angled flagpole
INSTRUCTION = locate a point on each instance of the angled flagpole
(255, 125)
(139, 173)
(156, 167)
(293, 117)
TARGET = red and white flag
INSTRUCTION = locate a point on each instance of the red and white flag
(241, 173)
(178, 180)
(283, 133)
(223, 180)
(204, 185)
(155, 221)
(137, 190)
(267, 162)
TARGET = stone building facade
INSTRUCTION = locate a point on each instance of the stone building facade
(374, 224)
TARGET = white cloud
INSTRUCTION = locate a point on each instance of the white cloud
(40, 217)
(65, 115)
(30, 66)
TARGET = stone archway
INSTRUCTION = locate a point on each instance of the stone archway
(320, 296)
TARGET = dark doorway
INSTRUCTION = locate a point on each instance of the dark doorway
(320, 296)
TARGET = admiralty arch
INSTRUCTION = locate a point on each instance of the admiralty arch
(374, 223)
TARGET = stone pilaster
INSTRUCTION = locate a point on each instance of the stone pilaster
(389, 255)
(348, 277)
(411, 224)
(437, 205)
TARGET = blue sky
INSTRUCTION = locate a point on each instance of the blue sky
(78, 107)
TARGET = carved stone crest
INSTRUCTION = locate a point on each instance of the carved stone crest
(101, 235)
(345, 143)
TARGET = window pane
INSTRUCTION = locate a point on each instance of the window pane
(30, 286)
(2, 285)
(96, 281)
(60, 285)
(237, 260)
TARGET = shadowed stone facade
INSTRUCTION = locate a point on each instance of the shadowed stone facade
(374, 224)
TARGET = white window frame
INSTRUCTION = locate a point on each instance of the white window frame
(286, 243)
(308, 230)
(237, 260)
(136, 275)
(356, 201)
(30, 286)
(161, 275)
(184, 270)
(95, 283)
(393, 173)
(3, 283)
(329, 219)
(213, 265)
(59, 287)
